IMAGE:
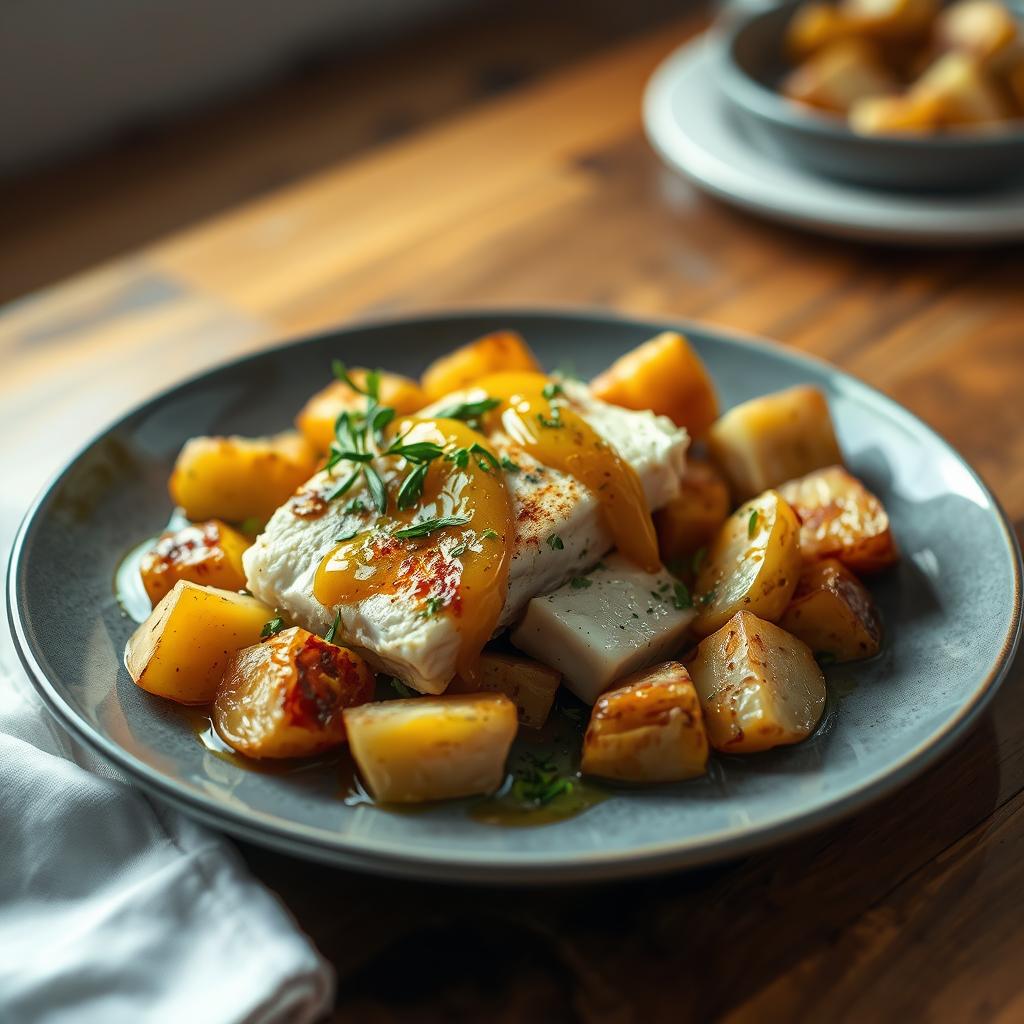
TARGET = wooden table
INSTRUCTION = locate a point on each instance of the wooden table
(549, 195)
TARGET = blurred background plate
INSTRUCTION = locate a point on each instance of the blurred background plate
(951, 609)
(749, 64)
(691, 125)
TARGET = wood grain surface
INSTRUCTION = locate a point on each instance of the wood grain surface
(548, 194)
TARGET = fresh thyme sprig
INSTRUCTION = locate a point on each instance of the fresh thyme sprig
(353, 434)
(468, 410)
(428, 526)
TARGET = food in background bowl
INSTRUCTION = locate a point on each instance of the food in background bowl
(908, 66)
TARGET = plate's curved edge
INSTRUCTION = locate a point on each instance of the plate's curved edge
(367, 855)
(703, 171)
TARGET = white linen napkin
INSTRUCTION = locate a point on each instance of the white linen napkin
(113, 908)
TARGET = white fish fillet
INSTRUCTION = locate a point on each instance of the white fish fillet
(422, 651)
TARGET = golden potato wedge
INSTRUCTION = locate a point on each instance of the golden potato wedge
(182, 649)
(753, 565)
(316, 418)
(648, 729)
(833, 613)
(985, 29)
(840, 518)
(813, 27)
(432, 748)
(759, 686)
(892, 21)
(284, 697)
(771, 439)
(691, 520)
(960, 92)
(894, 115)
(665, 375)
(237, 478)
(207, 553)
(527, 683)
(838, 76)
(493, 353)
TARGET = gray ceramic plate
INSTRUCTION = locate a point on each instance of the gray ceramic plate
(691, 125)
(952, 612)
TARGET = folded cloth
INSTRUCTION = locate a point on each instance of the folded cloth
(113, 908)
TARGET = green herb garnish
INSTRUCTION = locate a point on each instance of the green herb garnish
(489, 534)
(272, 627)
(460, 456)
(555, 542)
(487, 462)
(333, 631)
(552, 390)
(372, 388)
(752, 524)
(540, 782)
(343, 488)
(412, 487)
(580, 583)
(555, 419)
(432, 606)
(508, 465)
(681, 597)
(376, 487)
(430, 526)
(468, 410)
(419, 452)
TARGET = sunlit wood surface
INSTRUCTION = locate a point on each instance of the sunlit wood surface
(549, 194)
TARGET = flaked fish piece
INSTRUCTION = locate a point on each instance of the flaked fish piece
(559, 533)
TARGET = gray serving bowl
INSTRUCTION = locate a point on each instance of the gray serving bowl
(750, 62)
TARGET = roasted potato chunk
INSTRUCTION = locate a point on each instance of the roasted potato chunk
(983, 28)
(493, 353)
(208, 553)
(316, 418)
(959, 92)
(894, 21)
(432, 748)
(285, 697)
(813, 27)
(768, 440)
(893, 115)
(691, 520)
(833, 613)
(840, 518)
(648, 729)
(181, 650)
(839, 76)
(237, 478)
(753, 565)
(527, 683)
(665, 375)
(759, 686)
